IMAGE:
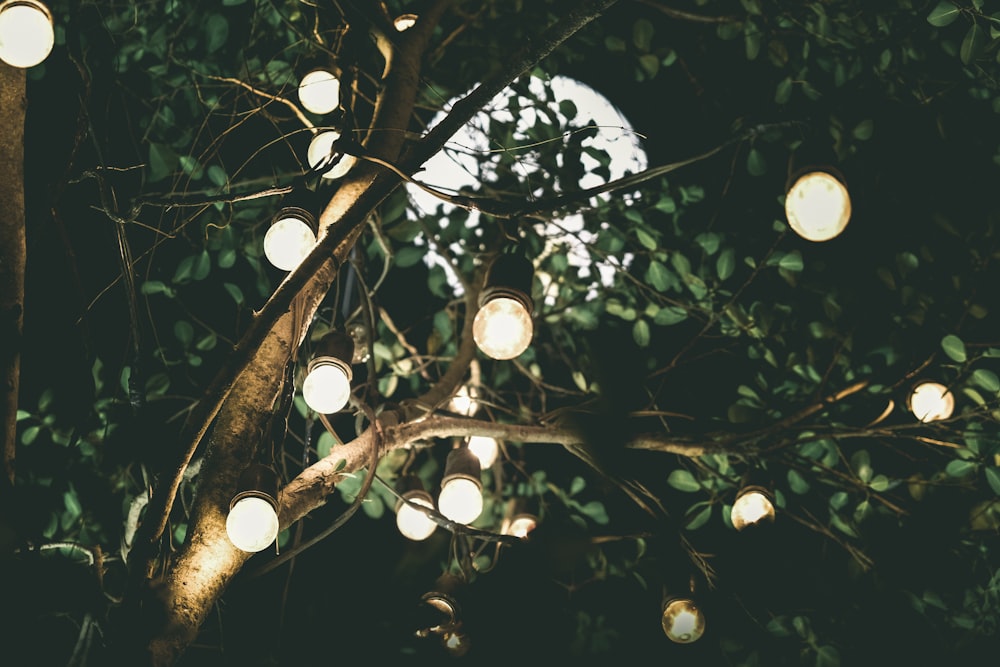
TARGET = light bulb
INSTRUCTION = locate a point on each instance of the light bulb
(252, 524)
(931, 401)
(405, 22)
(521, 525)
(682, 621)
(456, 643)
(26, 33)
(413, 523)
(752, 506)
(319, 91)
(818, 206)
(502, 328)
(320, 149)
(327, 386)
(288, 241)
(461, 500)
(485, 449)
(464, 401)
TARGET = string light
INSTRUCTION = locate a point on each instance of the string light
(319, 151)
(464, 401)
(461, 497)
(405, 22)
(753, 505)
(291, 236)
(26, 32)
(252, 524)
(502, 328)
(327, 386)
(319, 91)
(486, 450)
(931, 401)
(683, 622)
(411, 522)
(818, 206)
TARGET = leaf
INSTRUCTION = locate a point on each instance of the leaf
(699, 519)
(783, 92)
(973, 44)
(755, 163)
(216, 32)
(861, 462)
(235, 292)
(408, 256)
(986, 379)
(797, 483)
(596, 511)
(726, 263)
(184, 332)
(827, 656)
(670, 315)
(959, 467)
(640, 333)
(863, 131)
(993, 479)
(217, 175)
(162, 161)
(642, 34)
(943, 14)
(658, 276)
(201, 266)
(647, 240)
(792, 261)
(682, 480)
(954, 348)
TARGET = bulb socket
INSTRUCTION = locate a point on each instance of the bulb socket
(257, 481)
(462, 464)
(335, 348)
(509, 276)
(34, 4)
(410, 486)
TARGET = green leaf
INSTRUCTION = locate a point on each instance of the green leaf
(986, 379)
(943, 14)
(827, 656)
(755, 163)
(699, 519)
(726, 263)
(993, 479)
(217, 175)
(973, 44)
(162, 161)
(960, 467)
(640, 332)
(658, 276)
(797, 483)
(954, 348)
(792, 261)
(184, 332)
(642, 34)
(596, 511)
(235, 292)
(408, 256)
(647, 240)
(670, 315)
(201, 266)
(682, 480)
(863, 131)
(783, 92)
(216, 32)
(861, 463)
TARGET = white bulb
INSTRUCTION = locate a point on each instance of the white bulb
(818, 206)
(485, 449)
(319, 91)
(502, 328)
(461, 500)
(252, 524)
(405, 22)
(326, 388)
(464, 401)
(287, 242)
(683, 622)
(750, 508)
(319, 150)
(413, 523)
(931, 401)
(521, 526)
(26, 33)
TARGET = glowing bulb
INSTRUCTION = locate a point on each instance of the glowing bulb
(818, 206)
(456, 643)
(682, 621)
(405, 22)
(288, 241)
(464, 401)
(461, 500)
(413, 523)
(320, 149)
(502, 328)
(931, 401)
(327, 386)
(485, 449)
(521, 525)
(252, 524)
(752, 506)
(319, 91)
(26, 33)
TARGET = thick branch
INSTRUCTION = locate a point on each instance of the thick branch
(12, 254)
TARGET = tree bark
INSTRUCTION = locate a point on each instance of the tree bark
(12, 254)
